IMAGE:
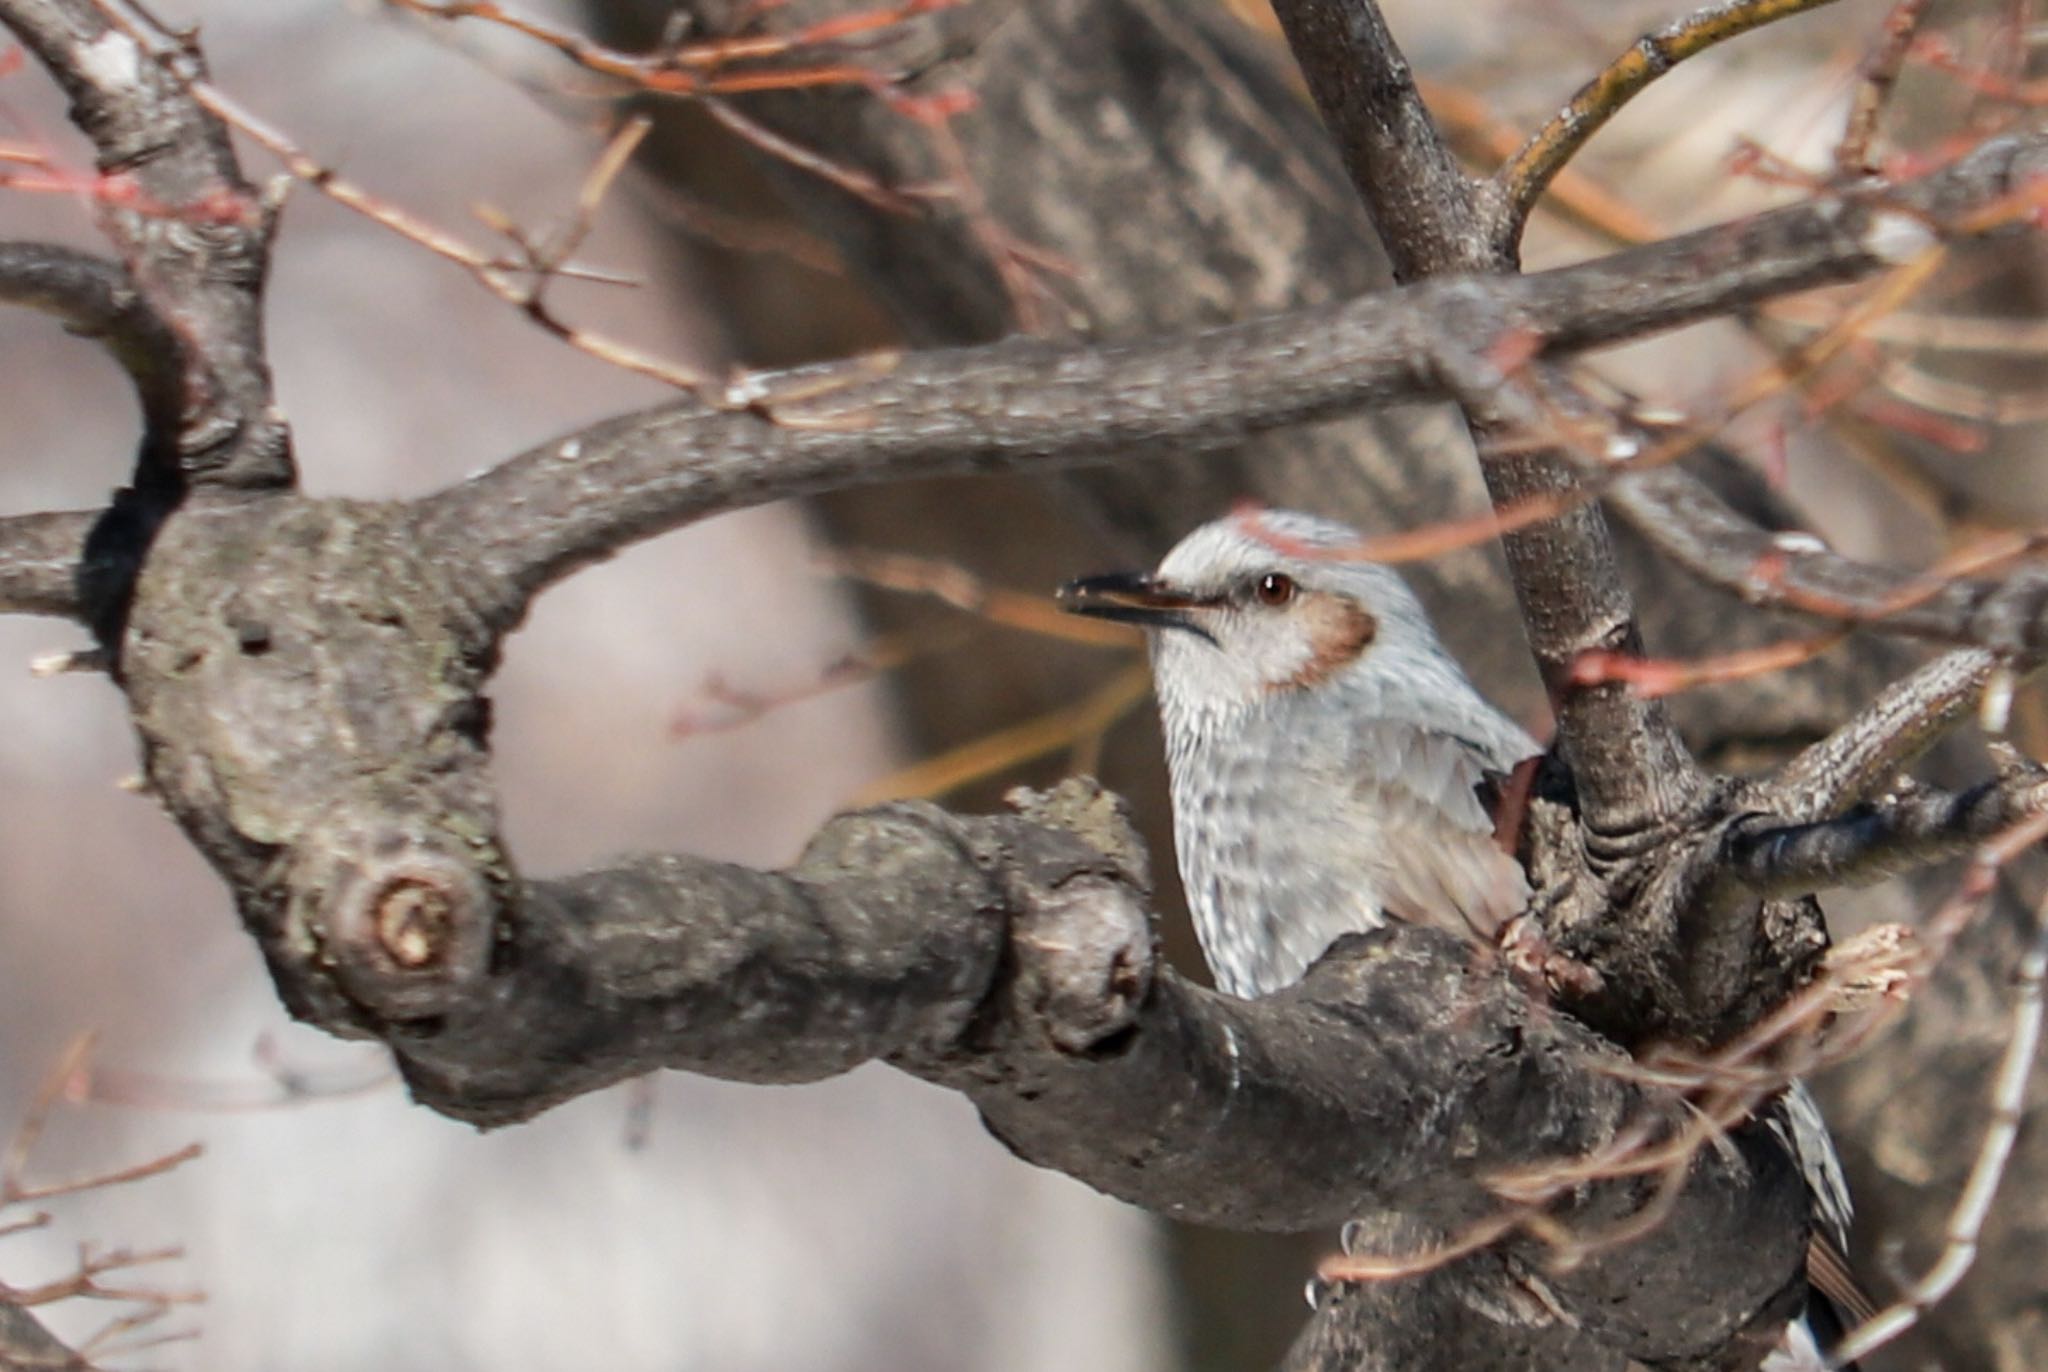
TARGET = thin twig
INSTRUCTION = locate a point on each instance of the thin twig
(995, 753)
(66, 1081)
(1521, 181)
(710, 66)
(516, 282)
(1874, 89)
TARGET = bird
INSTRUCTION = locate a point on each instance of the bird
(1331, 767)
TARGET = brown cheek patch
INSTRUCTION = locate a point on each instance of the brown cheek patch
(1339, 629)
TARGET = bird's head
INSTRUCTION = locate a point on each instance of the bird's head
(1252, 610)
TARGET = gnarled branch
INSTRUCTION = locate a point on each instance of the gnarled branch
(1026, 405)
(193, 234)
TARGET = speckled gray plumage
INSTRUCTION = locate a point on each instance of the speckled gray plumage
(1304, 814)
(1309, 804)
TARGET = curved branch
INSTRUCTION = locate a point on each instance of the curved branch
(1521, 181)
(1696, 529)
(193, 234)
(1012, 959)
(1023, 405)
(96, 299)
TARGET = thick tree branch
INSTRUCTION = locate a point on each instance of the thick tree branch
(1883, 838)
(1884, 738)
(192, 233)
(1013, 960)
(41, 557)
(1024, 405)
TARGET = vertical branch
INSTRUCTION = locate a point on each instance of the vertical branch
(1424, 206)
(193, 234)
(1630, 765)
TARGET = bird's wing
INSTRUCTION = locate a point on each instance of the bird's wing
(1842, 1302)
(1438, 861)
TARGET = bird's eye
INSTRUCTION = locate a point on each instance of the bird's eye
(1274, 588)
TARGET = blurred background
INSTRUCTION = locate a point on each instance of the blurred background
(867, 1222)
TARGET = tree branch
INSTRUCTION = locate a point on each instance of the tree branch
(1881, 839)
(1422, 203)
(96, 300)
(1884, 738)
(1696, 529)
(193, 235)
(1025, 405)
(1521, 181)
(41, 559)
(1630, 765)
(1012, 959)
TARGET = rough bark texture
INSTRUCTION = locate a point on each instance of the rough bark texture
(307, 678)
(1229, 200)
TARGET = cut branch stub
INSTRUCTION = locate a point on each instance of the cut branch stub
(407, 930)
(310, 710)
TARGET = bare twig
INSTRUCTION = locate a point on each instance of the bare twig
(729, 66)
(1521, 181)
(1654, 676)
(64, 1082)
(952, 584)
(518, 282)
(996, 753)
(1880, 73)
(87, 1280)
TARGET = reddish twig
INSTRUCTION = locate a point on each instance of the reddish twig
(1873, 91)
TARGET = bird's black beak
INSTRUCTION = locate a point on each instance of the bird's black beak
(1134, 598)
